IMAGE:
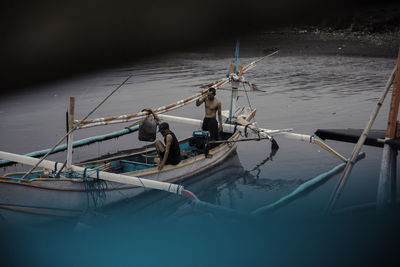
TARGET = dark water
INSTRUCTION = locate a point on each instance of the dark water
(302, 92)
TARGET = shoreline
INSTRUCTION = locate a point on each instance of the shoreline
(325, 42)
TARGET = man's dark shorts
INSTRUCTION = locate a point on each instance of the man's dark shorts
(211, 125)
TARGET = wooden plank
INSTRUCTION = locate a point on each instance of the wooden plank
(252, 114)
(394, 103)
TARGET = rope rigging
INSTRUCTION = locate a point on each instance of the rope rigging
(75, 127)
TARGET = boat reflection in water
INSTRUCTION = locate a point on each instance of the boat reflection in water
(236, 193)
(220, 186)
(253, 177)
(163, 205)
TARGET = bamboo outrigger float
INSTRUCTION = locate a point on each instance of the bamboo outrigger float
(62, 189)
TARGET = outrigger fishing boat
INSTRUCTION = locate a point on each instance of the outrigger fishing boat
(67, 190)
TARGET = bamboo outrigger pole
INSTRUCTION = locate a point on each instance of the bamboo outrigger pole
(140, 115)
(303, 189)
(75, 127)
(79, 143)
(350, 163)
(112, 177)
(264, 133)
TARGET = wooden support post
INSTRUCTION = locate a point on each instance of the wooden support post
(394, 103)
(385, 175)
(393, 177)
(398, 129)
(387, 178)
(71, 116)
(71, 112)
(232, 68)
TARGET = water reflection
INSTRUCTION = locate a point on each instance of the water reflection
(257, 167)
(162, 205)
(220, 186)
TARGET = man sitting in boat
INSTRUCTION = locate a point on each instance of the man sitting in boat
(212, 105)
(169, 153)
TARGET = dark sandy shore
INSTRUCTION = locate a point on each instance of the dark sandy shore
(370, 30)
(44, 43)
(308, 41)
(316, 42)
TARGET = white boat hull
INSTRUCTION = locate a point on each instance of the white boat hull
(50, 198)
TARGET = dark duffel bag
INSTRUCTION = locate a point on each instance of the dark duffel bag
(148, 130)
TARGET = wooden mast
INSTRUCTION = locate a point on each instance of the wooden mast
(71, 114)
(387, 176)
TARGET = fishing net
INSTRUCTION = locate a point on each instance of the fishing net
(96, 192)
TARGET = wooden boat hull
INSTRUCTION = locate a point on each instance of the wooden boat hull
(50, 198)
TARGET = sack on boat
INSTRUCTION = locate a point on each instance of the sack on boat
(148, 130)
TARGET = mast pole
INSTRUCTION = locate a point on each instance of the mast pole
(234, 70)
(70, 140)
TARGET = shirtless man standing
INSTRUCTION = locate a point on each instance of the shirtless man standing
(212, 105)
